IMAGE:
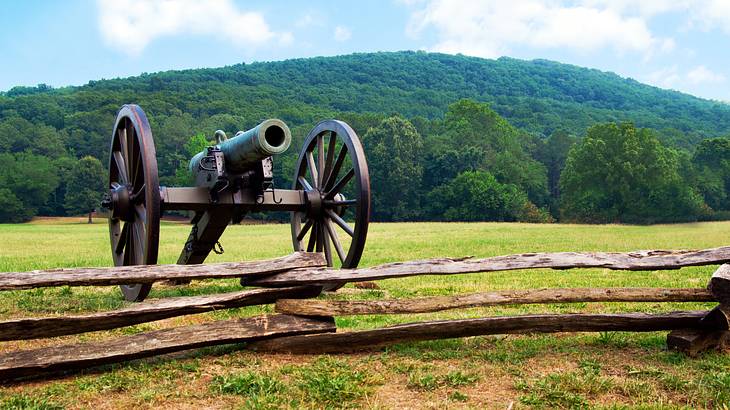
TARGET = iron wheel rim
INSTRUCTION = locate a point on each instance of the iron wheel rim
(315, 232)
(133, 164)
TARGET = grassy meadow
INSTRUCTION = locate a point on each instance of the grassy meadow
(611, 370)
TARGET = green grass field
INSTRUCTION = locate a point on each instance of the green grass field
(614, 370)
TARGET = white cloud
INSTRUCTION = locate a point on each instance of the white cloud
(643, 8)
(131, 25)
(489, 28)
(342, 33)
(667, 45)
(711, 14)
(703, 75)
(666, 77)
(698, 14)
(672, 77)
(310, 19)
(305, 21)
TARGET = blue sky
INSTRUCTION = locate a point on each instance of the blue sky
(677, 44)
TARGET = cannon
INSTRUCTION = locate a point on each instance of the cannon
(329, 200)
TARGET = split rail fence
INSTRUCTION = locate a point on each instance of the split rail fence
(306, 325)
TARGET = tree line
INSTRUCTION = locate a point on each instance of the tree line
(474, 166)
(532, 141)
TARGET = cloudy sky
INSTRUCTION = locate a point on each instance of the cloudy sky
(678, 44)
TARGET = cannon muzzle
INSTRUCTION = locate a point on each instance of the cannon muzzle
(248, 148)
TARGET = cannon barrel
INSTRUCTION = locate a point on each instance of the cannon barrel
(247, 148)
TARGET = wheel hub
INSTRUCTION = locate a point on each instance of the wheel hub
(315, 202)
(119, 202)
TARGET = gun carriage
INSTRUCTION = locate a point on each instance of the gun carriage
(329, 200)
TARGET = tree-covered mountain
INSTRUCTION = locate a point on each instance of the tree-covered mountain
(517, 126)
(538, 96)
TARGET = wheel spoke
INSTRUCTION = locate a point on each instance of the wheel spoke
(135, 197)
(127, 247)
(305, 229)
(124, 149)
(320, 158)
(332, 176)
(334, 202)
(335, 239)
(330, 157)
(122, 239)
(312, 239)
(141, 213)
(138, 164)
(129, 133)
(340, 184)
(312, 169)
(340, 222)
(139, 234)
(304, 183)
(320, 238)
(121, 166)
(327, 246)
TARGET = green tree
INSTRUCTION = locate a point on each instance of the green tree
(16, 134)
(26, 180)
(712, 162)
(394, 151)
(469, 125)
(11, 208)
(478, 196)
(85, 186)
(552, 152)
(618, 173)
(56, 204)
(183, 176)
(443, 164)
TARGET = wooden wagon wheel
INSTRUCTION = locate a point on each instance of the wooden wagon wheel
(334, 175)
(134, 197)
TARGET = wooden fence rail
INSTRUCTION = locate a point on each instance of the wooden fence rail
(638, 260)
(310, 307)
(346, 342)
(301, 268)
(34, 328)
(310, 331)
(120, 275)
(47, 360)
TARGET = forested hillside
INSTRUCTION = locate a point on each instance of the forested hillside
(510, 139)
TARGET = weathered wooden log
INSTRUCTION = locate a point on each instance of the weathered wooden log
(639, 260)
(46, 360)
(720, 284)
(692, 342)
(445, 329)
(33, 328)
(717, 319)
(506, 297)
(120, 275)
(712, 334)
